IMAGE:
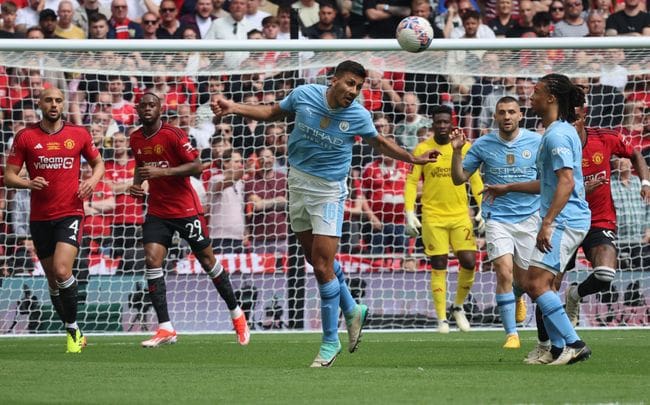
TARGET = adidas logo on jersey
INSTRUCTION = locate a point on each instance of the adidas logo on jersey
(38, 146)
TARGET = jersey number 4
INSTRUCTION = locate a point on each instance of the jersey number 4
(75, 228)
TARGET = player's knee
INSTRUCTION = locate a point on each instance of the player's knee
(438, 262)
(504, 276)
(62, 271)
(467, 262)
(207, 261)
(605, 275)
(534, 288)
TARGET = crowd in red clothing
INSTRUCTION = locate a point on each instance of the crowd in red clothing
(399, 101)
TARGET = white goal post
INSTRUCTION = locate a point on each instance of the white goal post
(388, 271)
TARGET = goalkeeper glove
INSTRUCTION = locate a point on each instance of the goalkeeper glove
(480, 222)
(412, 224)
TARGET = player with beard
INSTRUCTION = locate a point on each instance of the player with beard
(52, 150)
(328, 118)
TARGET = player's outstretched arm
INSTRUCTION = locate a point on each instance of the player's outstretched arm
(221, 107)
(13, 179)
(391, 149)
(492, 191)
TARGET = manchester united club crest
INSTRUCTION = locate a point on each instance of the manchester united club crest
(68, 143)
(325, 122)
(510, 159)
(597, 158)
(158, 149)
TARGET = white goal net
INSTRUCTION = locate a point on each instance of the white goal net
(386, 269)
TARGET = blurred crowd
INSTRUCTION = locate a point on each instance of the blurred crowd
(250, 213)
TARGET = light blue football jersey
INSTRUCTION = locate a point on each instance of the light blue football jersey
(321, 141)
(504, 162)
(560, 148)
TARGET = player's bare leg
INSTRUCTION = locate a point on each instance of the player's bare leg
(155, 254)
(221, 281)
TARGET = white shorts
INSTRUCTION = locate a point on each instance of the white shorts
(564, 241)
(316, 204)
(516, 239)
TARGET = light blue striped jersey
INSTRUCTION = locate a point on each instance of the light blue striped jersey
(504, 162)
(321, 141)
(561, 148)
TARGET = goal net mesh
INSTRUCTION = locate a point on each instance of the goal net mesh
(386, 269)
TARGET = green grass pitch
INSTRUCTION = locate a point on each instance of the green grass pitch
(389, 368)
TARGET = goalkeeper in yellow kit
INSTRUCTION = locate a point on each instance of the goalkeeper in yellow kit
(445, 219)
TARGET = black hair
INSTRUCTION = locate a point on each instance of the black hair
(441, 109)
(568, 95)
(330, 4)
(470, 14)
(351, 66)
(507, 99)
(154, 95)
(542, 19)
(95, 17)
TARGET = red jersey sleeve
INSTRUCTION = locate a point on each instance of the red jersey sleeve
(88, 150)
(619, 146)
(187, 153)
(17, 151)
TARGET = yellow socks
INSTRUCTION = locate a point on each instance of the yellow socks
(439, 292)
(465, 282)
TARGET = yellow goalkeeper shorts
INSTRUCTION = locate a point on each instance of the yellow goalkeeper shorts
(438, 236)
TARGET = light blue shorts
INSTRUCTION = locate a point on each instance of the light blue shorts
(316, 204)
(516, 239)
(564, 241)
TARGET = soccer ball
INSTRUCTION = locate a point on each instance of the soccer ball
(414, 34)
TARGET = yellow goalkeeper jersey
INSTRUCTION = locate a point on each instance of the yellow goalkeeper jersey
(442, 201)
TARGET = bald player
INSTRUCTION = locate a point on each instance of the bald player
(51, 150)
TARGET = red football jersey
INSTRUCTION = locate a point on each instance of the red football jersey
(171, 196)
(124, 113)
(596, 155)
(128, 210)
(384, 189)
(96, 226)
(56, 158)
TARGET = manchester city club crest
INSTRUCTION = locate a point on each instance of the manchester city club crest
(344, 126)
(510, 159)
(526, 154)
(325, 122)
